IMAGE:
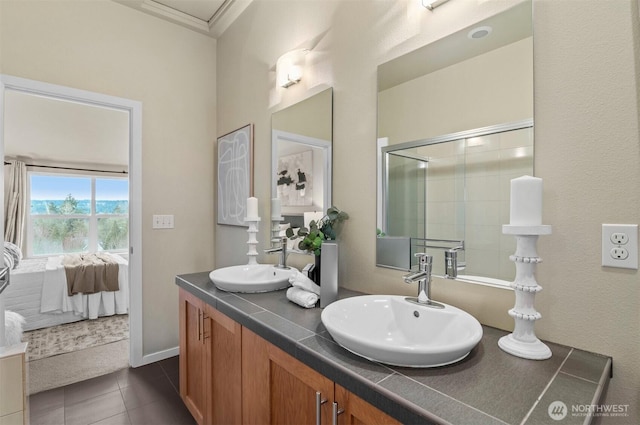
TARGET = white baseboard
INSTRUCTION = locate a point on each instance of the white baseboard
(160, 355)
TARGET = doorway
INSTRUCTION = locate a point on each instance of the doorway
(133, 112)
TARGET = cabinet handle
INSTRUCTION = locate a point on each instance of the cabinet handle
(204, 333)
(319, 402)
(199, 326)
(336, 412)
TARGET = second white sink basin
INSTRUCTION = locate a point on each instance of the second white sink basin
(251, 278)
(391, 330)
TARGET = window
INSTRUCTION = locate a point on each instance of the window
(80, 213)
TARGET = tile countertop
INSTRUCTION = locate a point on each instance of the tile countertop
(488, 387)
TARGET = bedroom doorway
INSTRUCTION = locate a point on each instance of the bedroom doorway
(88, 158)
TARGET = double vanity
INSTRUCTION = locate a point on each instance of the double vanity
(258, 358)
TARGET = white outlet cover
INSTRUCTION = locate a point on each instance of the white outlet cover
(630, 246)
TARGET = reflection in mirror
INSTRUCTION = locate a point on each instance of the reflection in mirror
(454, 126)
(301, 158)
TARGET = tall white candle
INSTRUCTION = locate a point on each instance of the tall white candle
(276, 207)
(526, 201)
(252, 207)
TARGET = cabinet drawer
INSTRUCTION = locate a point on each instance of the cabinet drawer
(11, 385)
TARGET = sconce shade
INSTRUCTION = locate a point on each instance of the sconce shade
(289, 68)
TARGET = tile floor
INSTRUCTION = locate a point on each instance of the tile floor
(147, 395)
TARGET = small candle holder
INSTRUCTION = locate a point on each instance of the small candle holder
(275, 230)
(523, 341)
(253, 241)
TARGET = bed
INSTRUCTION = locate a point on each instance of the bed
(38, 291)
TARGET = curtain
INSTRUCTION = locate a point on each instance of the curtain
(15, 203)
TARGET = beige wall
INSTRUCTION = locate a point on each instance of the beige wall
(108, 48)
(587, 147)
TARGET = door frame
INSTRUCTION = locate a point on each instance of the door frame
(134, 108)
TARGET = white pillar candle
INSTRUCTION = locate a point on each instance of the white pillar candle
(526, 201)
(275, 207)
(252, 207)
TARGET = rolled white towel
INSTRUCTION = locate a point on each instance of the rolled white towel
(299, 280)
(301, 297)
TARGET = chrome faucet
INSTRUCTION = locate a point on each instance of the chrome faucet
(423, 277)
(282, 249)
(451, 262)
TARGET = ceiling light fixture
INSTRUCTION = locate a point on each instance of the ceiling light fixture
(432, 4)
(479, 32)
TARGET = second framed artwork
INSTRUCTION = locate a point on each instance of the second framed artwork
(235, 175)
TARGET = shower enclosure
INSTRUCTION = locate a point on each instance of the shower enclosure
(443, 191)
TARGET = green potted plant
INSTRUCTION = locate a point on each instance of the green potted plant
(327, 228)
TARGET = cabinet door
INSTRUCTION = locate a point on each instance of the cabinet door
(357, 411)
(224, 357)
(193, 376)
(278, 389)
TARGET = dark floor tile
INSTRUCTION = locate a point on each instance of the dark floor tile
(157, 413)
(172, 364)
(90, 388)
(174, 378)
(145, 373)
(95, 409)
(119, 419)
(181, 413)
(46, 400)
(50, 416)
(140, 393)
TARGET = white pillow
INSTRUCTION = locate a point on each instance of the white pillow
(13, 327)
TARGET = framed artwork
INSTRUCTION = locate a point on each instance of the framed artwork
(235, 175)
(295, 179)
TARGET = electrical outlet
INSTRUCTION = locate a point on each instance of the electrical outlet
(619, 238)
(620, 246)
(619, 253)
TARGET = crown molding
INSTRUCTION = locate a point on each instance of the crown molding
(218, 24)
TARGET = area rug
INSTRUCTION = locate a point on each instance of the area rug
(69, 368)
(76, 336)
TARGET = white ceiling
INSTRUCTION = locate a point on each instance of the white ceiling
(210, 17)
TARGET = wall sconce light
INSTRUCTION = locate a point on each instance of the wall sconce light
(289, 68)
(432, 4)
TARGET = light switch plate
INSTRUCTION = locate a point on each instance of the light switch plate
(163, 221)
(620, 246)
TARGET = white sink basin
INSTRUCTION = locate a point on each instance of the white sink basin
(388, 329)
(251, 278)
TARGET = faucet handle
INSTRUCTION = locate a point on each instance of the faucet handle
(424, 258)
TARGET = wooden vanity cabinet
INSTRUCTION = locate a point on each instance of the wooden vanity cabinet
(278, 389)
(230, 375)
(358, 411)
(210, 362)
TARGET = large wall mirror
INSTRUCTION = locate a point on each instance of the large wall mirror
(455, 125)
(301, 158)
